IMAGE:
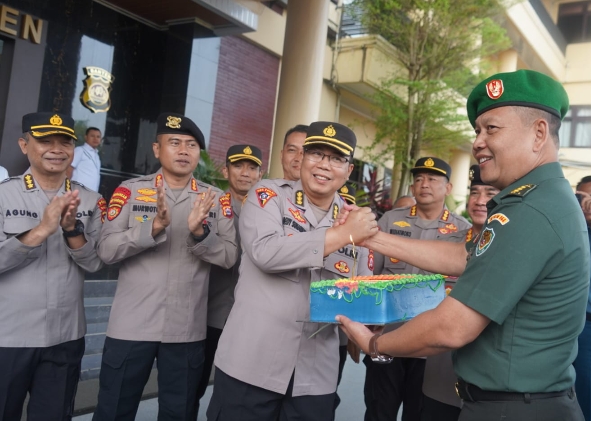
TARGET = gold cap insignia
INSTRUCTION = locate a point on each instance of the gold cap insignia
(471, 175)
(344, 190)
(429, 162)
(329, 131)
(173, 122)
(247, 151)
(55, 120)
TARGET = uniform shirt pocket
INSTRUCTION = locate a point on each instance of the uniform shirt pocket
(17, 225)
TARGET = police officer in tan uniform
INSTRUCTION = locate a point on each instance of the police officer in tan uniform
(441, 402)
(387, 386)
(242, 170)
(49, 230)
(166, 229)
(268, 364)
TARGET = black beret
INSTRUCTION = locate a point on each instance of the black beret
(330, 134)
(431, 164)
(525, 88)
(475, 179)
(172, 123)
(47, 124)
(250, 152)
(347, 192)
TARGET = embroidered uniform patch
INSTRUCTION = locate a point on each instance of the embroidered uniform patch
(486, 238)
(226, 204)
(147, 192)
(102, 205)
(143, 218)
(448, 229)
(264, 194)
(401, 224)
(297, 215)
(341, 266)
(146, 199)
(498, 217)
(118, 200)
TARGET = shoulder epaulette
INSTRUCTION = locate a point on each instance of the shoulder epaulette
(521, 191)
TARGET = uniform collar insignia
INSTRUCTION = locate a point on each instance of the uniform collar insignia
(68, 184)
(445, 215)
(158, 180)
(29, 182)
(469, 235)
(194, 185)
(299, 198)
(413, 211)
(335, 211)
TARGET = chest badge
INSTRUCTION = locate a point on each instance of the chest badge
(297, 215)
(401, 224)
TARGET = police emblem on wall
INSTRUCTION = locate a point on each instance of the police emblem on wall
(97, 87)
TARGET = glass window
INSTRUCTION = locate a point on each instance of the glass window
(574, 21)
(575, 131)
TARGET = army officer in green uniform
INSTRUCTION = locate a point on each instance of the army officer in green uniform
(516, 311)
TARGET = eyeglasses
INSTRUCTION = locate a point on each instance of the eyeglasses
(315, 155)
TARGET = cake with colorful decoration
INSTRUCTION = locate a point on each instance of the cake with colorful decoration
(377, 299)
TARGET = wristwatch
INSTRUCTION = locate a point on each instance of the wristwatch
(78, 230)
(202, 236)
(375, 355)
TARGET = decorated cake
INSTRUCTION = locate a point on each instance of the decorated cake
(378, 299)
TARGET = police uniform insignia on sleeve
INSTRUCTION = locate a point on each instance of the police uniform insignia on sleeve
(102, 205)
(299, 199)
(146, 199)
(194, 185)
(29, 182)
(335, 211)
(485, 241)
(226, 204)
(68, 185)
(158, 180)
(264, 194)
(413, 211)
(342, 266)
(147, 192)
(393, 260)
(118, 200)
(142, 218)
(401, 224)
(370, 260)
(501, 218)
(522, 190)
(297, 215)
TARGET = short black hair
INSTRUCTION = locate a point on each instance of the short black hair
(93, 128)
(300, 128)
(584, 180)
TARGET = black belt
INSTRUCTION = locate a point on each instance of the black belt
(471, 393)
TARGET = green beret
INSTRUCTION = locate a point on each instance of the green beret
(524, 88)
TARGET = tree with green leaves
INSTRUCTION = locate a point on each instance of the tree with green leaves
(438, 44)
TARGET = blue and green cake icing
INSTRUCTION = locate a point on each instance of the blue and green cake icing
(376, 299)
